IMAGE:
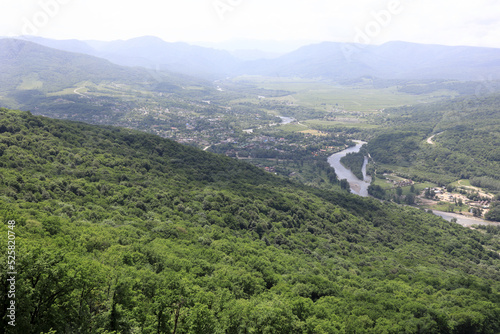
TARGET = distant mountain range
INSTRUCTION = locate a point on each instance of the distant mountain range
(327, 60)
(153, 53)
(394, 60)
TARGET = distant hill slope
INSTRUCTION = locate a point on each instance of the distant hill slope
(56, 69)
(327, 60)
(467, 140)
(402, 60)
(35, 77)
(26, 65)
(69, 45)
(154, 53)
(120, 231)
(395, 60)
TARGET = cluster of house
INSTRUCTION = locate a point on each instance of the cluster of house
(265, 139)
(270, 169)
(442, 195)
(404, 183)
(484, 204)
(267, 169)
(328, 150)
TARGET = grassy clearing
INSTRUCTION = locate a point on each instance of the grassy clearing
(30, 82)
(389, 186)
(99, 90)
(81, 87)
(67, 91)
(334, 124)
(382, 183)
(444, 206)
(353, 99)
(201, 88)
(395, 178)
(462, 183)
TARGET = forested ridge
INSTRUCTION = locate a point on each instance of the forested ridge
(466, 142)
(119, 231)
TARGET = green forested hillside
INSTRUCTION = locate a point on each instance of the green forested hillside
(122, 232)
(466, 142)
(47, 70)
(57, 82)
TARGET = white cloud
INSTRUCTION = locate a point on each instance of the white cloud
(426, 21)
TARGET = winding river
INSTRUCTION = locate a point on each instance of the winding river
(358, 187)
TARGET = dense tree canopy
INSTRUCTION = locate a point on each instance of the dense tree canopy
(123, 232)
(465, 142)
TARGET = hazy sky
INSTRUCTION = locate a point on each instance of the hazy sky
(449, 22)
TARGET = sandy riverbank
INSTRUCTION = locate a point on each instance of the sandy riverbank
(464, 220)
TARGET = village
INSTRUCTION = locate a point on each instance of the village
(459, 198)
(466, 202)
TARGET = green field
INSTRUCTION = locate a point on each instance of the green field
(30, 82)
(330, 96)
(81, 87)
(444, 206)
(334, 124)
(464, 183)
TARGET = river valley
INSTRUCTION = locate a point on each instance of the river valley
(358, 187)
